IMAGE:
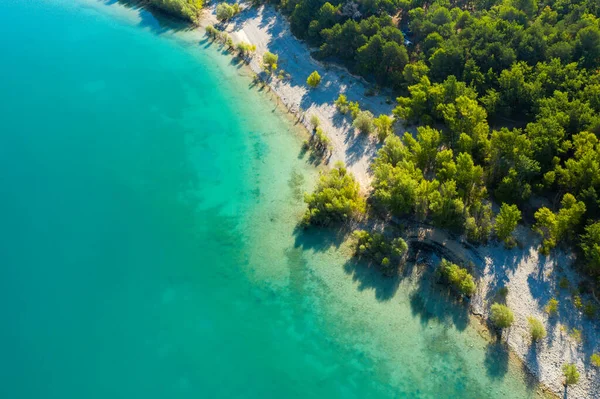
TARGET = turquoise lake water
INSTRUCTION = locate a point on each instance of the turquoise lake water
(149, 200)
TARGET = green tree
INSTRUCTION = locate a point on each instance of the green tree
(458, 277)
(225, 12)
(383, 123)
(590, 245)
(313, 79)
(536, 329)
(506, 222)
(270, 61)
(336, 198)
(501, 315)
(364, 122)
(571, 374)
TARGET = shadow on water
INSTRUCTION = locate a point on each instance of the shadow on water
(496, 359)
(153, 18)
(370, 277)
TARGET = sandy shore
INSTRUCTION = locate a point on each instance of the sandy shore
(269, 31)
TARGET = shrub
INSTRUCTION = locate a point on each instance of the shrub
(595, 359)
(313, 79)
(506, 222)
(245, 49)
(563, 283)
(364, 122)
(536, 329)
(552, 307)
(577, 302)
(377, 247)
(576, 335)
(383, 123)
(571, 374)
(501, 315)
(589, 310)
(314, 121)
(225, 11)
(270, 61)
(458, 277)
(354, 109)
(342, 104)
(319, 142)
(336, 198)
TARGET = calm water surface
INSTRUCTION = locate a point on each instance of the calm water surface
(149, 198)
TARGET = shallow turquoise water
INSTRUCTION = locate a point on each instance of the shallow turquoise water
(149, 200)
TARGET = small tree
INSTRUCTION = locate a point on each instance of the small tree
(571, 374)
(315, 121)
(342, 103)
(313, 79)
(501, 316)
(536, 328)
(383, 123)
(552, 307)
(595, 359)
(506, 222)
(458, 277)
(270, 61)
(225, 12)
(245, 49)
(364, 122)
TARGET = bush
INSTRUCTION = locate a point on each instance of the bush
(536, 329)
(576, 335)
(379, 248)
(354, 109)
(383, 123)
(364, 122)
(270, 61)
(336, 198)
(552, 307)
(577, 302)
(315, 121)
(225, 12)
(595, 359)
(458, 277)
(342, 104)
(501, 316)
(571, 374)
(319, 142)
(313, 79)
(245, 49)
(589, 310)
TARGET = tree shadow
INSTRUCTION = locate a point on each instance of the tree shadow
(496, 359)
(319, 239)
(370, 278)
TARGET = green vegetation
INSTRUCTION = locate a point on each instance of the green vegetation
(386, 252)
(342, 104)
(336, 199)
(226, 11)
(185, 9)
(363, 122)
(219, 36)
(576, 335)
(459, 278)
(383, 124)
(501, 316)
(319, 143)
(463, 67)
(571, 374)
(315, 121)
(270, 61)
(313, 79)
(536, 329)
(590, 310)
(506, 222)
(552, 307)
(595, 359)
(245, 49)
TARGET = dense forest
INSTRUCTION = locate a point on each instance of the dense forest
(507, 97)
